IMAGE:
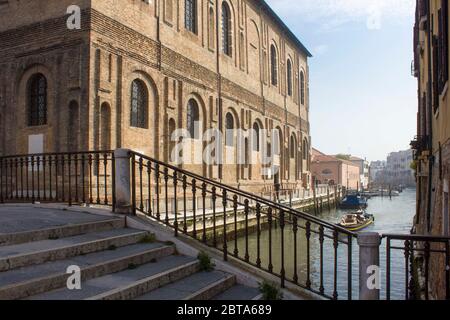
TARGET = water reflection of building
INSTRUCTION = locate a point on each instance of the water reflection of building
(327, 169)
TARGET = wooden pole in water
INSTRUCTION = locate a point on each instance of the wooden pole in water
(314, 197)
(328, 198)
(335, 197)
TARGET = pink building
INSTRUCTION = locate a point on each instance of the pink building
(327, 169)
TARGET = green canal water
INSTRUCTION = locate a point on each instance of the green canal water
(391, 216)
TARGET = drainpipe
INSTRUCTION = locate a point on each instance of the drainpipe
(430, 115)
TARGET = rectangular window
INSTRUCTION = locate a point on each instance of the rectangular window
(443, 45)
(190, 15)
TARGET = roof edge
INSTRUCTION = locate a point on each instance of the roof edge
(263, 4)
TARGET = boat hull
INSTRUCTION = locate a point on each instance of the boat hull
(359, 227)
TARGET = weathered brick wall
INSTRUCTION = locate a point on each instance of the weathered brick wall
(123, 41)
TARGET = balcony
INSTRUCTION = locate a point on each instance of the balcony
(420, 143)
(414, 69)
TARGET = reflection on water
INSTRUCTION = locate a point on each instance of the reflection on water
(391, 216)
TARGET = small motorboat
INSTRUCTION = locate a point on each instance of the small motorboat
(357, 221)
(353, 201)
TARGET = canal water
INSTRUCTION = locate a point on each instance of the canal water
(391, 216)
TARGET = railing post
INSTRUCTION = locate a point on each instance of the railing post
(122, 181)
(369, 266)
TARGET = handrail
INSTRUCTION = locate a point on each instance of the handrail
(55, 154)
(294, 212)
(413, 237)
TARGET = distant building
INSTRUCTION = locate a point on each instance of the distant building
(376, 171)
(398, 169)
(330, 170)
(364, 172)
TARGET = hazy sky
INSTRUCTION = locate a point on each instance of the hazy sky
(363, 97)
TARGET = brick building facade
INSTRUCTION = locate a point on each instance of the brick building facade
(138, 70)
(432, 145)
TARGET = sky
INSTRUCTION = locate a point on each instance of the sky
(363, 98)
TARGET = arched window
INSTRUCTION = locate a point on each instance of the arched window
(73, 127)
(305, 150)
(241, 50)
(274, 65)
(226, 30)
(190, 15)
(172, 143)
(302, 87)
(193, 119)
(211, 28)
(256, 137)
(293, 147)
(169, 9)
(105, 127)
(289, 77)
(139, 104)
(229, 137)
(37, 100)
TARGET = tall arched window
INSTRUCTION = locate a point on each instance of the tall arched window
(289, 77)
(172, 143)
(256, 137)
(305, 150)
(190, 15)
(73, 127)
(139, 104)
(37, 100)
(302, 87)
(105, 127)
(293, 147)
(229, 136)
(226, 30)
(211, 28)
(274, 65)
(192, 119)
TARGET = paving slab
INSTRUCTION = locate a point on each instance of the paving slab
(183, 288)
(238, 292)
(23, 218)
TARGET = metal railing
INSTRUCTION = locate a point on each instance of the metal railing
(72, 177)
(420, 254)
(267, 235)
(294, 246)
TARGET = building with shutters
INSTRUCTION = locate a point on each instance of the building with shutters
(138, 70)
(432, 144)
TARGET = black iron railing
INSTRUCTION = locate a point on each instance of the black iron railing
(267, 235)
(421, 254)
(73, 178)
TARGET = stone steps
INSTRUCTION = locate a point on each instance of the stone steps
(60, 232)
(116, 263)
(128, 284)
(38, 252)
(199, 286)
(33, 280)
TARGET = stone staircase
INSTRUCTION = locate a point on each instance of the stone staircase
(116, 262)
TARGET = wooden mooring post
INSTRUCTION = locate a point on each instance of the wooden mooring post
(315, 199)
(328, 198)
